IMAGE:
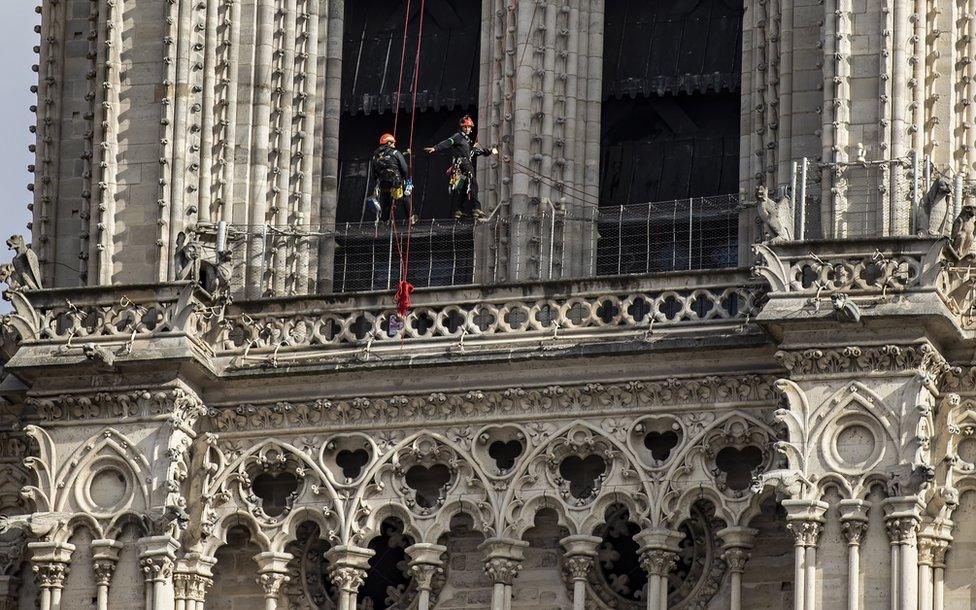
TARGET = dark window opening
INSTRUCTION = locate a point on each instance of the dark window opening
(388, 581)
(276, 491)
(447, 89)
(670, 135)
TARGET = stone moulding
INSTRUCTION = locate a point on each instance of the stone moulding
(908, 358)
(510, 402)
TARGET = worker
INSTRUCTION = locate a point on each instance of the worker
(463, 182)
(391, 185)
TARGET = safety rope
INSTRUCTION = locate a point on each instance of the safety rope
(404, 287)
(403, 54)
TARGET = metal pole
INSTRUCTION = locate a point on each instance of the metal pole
(916, 171)
(803, 198)
(796, 221)
(552, 237)
(620, 238)
(647, 241)
(430, 252)
(345, 258)
(957, 196)
(453, 253)
(691, 227)
(389, 257)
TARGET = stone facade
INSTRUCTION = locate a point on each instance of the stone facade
(795, 432)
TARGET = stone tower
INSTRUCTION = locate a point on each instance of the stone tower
(712, 346)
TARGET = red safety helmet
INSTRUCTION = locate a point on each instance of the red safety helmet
(387, 138)
(467, 122)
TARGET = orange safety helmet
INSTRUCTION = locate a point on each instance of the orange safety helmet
(387, 138)
(467, 122)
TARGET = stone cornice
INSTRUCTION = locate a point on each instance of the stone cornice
(906, 358)
(509, 402)
(176, 404)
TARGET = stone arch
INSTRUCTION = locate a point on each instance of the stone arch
(867, 404)
(76, 522)
(117, 456)
(223, 526)
(118, 524)
(373, 493)
(622, 470)
(288, 531)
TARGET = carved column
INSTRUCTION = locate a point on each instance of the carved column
(854, 524)
(736, 546)
(933, 540)
(157, 557)
(51, 561)
(425, 564)
(580, 554)
(938, 576)
(658, 555)
(503, 560)
(105, 556)
(805, 519)
(348, 572)
(902, 521)
(192, 580)
(272, 575)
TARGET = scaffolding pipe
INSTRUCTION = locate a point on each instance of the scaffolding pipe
(803, 198)
(691, 228)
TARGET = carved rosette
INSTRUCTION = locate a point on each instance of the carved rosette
(502, 570)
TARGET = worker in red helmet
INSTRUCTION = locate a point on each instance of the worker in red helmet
(463, 181)
(389, 175)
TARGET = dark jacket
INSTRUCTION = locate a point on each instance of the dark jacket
(389, 167)
(464, 150)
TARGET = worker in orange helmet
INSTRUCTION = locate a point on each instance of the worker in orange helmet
(389, 176)
(463, 181)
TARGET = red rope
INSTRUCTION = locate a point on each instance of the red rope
(403, 55)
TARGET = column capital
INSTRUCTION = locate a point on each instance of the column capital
(902, 518)
(737, 542)
(193, 576)
(348, 566)
(50, 562)
(805, 519)
(853, 520)
(581, 551)
(658, 562)
(105, 556)
(503, 558)
(157, 556)
(658, 550)
(426, 563)
(272, 572)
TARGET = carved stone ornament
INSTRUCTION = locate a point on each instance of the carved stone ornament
(658, 562)
(271, 583)
(347, 578)
(854, 531)
(886, 358)
(104, 569)
(902, 530)
(50, 575)
(736, 559)
(502, 570)
(578, 567)
(806, 533)
(156, 568)
(424, 574)
(513, 402)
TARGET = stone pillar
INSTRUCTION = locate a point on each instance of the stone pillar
(805, 519)
(425, 564)
(854, 524)
(192, 580)
(157, 557)
(503, 560)
(736, 547)
(51, 561)
(933, 541)
(658, 554)
(105, 556)
(902, 521)
(348, 572)
(272, 574)
(580, 553)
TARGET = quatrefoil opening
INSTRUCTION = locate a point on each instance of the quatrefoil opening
(276, 490)
(738, 465)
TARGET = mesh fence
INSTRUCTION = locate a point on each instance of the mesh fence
(368, 254)
(686, 234)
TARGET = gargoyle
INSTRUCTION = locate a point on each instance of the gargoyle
(26, 268)
(777, 216)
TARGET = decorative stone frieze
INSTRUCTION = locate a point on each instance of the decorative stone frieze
(922, 357)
